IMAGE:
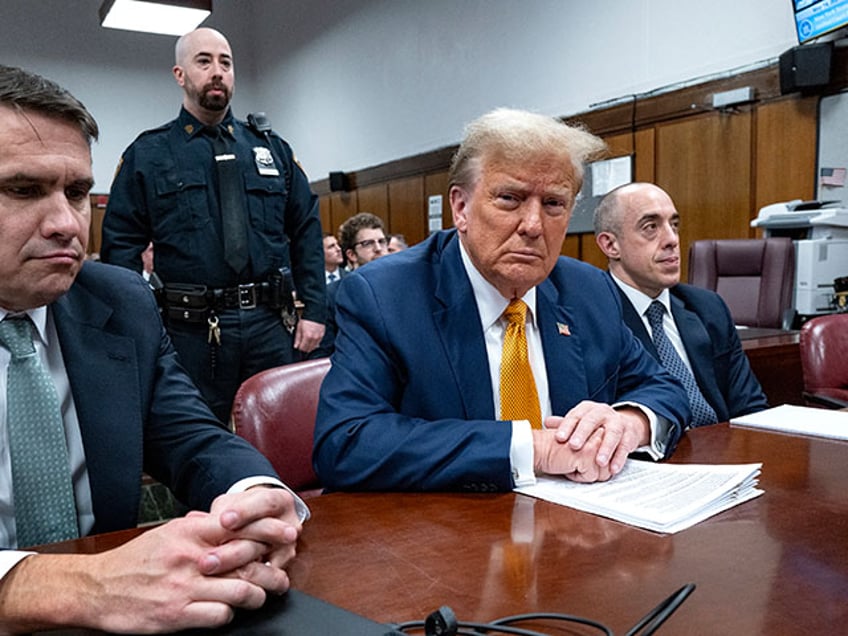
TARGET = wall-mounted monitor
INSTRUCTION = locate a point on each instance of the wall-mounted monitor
(814, 18)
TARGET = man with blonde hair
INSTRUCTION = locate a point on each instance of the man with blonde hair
(480, 357)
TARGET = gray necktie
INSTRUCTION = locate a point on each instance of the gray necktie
(702, 412)
(45, 509)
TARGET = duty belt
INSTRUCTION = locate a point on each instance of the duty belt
(247, 296)
(192, 303)
(197, 303)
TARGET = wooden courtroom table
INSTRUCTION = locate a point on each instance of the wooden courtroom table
(775, 359)
(775, 565)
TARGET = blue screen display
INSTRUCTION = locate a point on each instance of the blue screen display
(817, 17)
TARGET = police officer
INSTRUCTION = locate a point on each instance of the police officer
(234, 224)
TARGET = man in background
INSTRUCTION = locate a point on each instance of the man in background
(397, 243)
(94, 395)
(333, 259)
(234, 225)
(688, 329)
(363, 239)
(480, 357)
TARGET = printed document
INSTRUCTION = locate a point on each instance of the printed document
(799, 420)
(664, 498)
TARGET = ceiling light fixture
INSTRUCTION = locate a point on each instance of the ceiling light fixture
(168, 17)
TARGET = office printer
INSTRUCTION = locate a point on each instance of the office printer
(819, 231)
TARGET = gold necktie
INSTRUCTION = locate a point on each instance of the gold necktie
(519, 398)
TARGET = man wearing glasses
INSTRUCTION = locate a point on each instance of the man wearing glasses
(363, 239)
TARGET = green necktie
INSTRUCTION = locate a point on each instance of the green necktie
(45, 509)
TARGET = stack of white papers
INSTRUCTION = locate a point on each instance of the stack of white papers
(660, 497)
(800, 420)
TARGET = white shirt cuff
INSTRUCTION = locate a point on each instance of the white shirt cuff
(521, 454)
(10, 558)
(300, 506)
(659, 431)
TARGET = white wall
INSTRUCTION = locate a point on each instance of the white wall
(355, 83)
(123, 78)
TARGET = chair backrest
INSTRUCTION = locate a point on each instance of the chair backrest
(824, 358)
(275, 411)
(753, 276)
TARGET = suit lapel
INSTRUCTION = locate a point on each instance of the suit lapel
(101, 368)
(563, 347)
(457, 321)
(634, 321)
(698, 347)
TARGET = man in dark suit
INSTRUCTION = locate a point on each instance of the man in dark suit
(121, 404)
(333, 259)
(636, 226)
(415, 399)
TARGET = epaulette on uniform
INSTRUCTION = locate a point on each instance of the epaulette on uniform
(141, 135)
(158, 129)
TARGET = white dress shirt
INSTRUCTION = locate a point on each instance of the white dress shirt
(329, 277)
(642, 301)
(491, 305)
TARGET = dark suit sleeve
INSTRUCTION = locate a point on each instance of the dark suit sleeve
(126, 225)
(135, 400)
(184, 444)
(303, 228)
(328, 342)
(742, 391)
(387, 421)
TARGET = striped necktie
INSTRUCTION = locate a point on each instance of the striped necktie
(702, 412)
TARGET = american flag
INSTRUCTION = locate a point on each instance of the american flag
(832, 177)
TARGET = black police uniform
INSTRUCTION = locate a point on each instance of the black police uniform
(165, 190)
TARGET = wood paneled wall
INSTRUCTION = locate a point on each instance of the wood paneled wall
(720, 167)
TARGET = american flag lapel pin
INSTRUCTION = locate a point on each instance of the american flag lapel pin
(563, 329)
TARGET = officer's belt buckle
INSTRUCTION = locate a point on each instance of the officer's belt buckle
(247, 296)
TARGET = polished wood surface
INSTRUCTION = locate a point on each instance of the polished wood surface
(774, 565)
(775, 359)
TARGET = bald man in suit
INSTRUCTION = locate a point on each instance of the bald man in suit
(636, 226)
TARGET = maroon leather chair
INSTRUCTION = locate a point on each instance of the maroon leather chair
(824, 360)
(275, 411)
(753, 276)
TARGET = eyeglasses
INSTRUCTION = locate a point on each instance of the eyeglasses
(370, 244)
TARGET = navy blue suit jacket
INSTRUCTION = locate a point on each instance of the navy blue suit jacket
(137, 408)
(709, 336)
(328, 341)
(408, 403)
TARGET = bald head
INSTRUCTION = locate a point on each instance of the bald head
(637, 228)
(204, 70)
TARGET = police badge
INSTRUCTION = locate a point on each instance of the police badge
(264, 161)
